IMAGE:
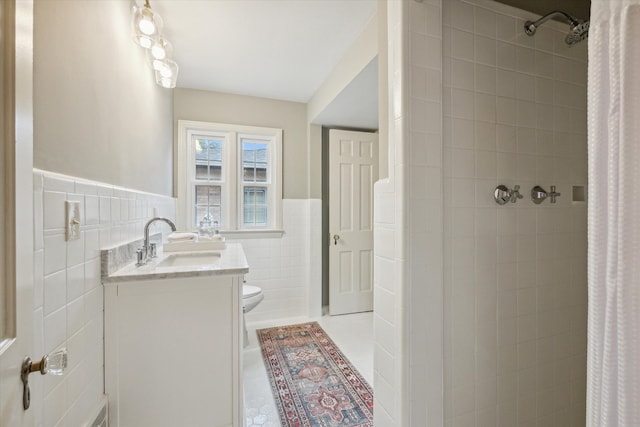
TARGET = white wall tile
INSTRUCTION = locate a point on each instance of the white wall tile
(55, 403)
(105, 209)
(544, 38)
(54, 292)
(56, 182)
(75, 282)
(462, 45)
(54, 208)
(485, 107)
(426, 51)
(463, 15)
(55, 253)
(76, 319)
(505, 55)
(281, 266)
(485, 136)
(505, 27)
(38, 279)
(75, 251)
(462, 104)
(55, 329)
(485, 77)
(485, 51)
(92, 210)
(68, 307)
(485, 22)
(462, 74)
(506, 111)
(529, 128)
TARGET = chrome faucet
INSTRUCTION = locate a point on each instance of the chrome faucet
(503, 195)
(149, 250)
(553, 194)
(538, 194)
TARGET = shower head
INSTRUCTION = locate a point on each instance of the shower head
(577, 33)
(578, 29)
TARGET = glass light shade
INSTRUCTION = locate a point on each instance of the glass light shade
(159, 50)
(143, 40)
(146, 25)
(166, 67)
(166, 82)
(166, 72)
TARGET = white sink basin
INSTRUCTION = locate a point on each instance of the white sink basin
(184, 259)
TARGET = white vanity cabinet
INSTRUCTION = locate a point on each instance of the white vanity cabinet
(173, 350)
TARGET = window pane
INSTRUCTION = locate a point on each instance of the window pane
(254, 160)
(208, 159)
(208, 201)
(255, 206)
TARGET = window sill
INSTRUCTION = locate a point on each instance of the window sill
(252, 234)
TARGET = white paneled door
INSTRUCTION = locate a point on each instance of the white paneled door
(353, 168)
(16, 208)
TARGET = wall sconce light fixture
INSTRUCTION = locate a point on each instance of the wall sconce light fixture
(147, 33)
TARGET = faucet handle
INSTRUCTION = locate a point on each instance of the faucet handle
(153, 250)
(516, 193)
(553, 194)
(141, 257)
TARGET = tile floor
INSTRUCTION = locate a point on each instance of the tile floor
(352, 333)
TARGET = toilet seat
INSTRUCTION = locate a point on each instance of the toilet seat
(249, 291)
(251, 296)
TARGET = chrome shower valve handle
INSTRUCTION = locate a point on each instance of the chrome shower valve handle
(539, 194)
(503, 195)
(515, 194)
(553, 194)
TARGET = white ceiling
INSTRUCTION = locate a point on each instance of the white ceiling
(281, 49)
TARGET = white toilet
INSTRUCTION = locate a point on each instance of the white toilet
(251, 297)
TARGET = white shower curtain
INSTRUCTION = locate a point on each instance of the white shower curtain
(613, 375)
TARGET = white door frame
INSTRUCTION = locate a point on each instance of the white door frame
(17, 141)
(351, 220)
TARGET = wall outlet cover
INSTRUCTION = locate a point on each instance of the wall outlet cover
(72, 216)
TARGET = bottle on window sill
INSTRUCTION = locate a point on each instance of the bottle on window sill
(206, 228)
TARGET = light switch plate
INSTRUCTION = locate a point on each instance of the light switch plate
(72, 215)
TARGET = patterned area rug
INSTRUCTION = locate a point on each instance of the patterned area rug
(313, 383)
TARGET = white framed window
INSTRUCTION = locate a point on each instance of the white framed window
(232, 173)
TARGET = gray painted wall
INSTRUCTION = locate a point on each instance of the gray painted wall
(98, 112)
(291, 117)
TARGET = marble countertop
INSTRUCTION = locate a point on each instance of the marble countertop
(232, 261)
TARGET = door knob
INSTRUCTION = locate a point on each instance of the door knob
(54, 364)
(335, 239)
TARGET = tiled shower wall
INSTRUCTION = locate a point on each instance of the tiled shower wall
(68, 303)
(515, 275)
(408, 225)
